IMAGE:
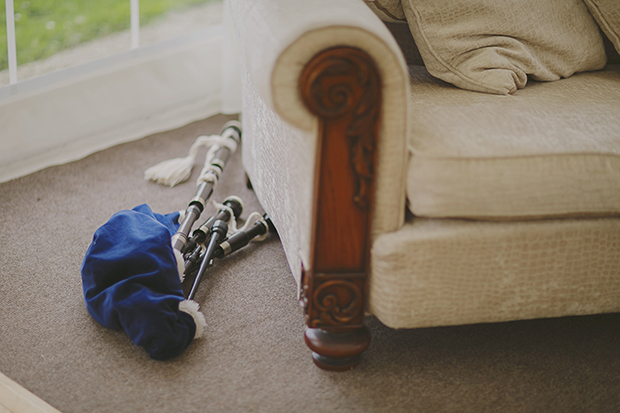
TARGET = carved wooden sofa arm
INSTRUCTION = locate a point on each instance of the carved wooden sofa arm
(342, 87)
(325, 101)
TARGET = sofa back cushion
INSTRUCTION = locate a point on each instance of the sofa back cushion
(387, 10)
(494, 45)
(607, 15)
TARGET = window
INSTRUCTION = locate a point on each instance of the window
(41, 36)
(95, 83)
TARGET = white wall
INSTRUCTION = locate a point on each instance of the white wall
(72, 113)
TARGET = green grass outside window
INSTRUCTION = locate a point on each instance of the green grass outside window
(45, 27)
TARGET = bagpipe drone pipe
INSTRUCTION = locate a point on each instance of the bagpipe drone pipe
(134, 268)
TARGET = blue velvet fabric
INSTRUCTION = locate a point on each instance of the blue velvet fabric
(131, 281)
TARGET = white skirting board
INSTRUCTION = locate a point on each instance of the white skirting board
(69, 114)
(15, 398)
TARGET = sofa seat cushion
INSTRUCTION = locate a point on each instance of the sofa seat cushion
(549, 150)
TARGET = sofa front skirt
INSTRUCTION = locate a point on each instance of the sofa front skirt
(436, 272)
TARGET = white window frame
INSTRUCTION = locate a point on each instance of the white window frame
(10, 39)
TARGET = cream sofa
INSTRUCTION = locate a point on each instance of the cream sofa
(399, 195)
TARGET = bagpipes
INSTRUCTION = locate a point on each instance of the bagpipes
(211, 239)
(133, 271)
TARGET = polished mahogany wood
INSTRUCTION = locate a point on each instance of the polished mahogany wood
(341, 86)
(337, 351)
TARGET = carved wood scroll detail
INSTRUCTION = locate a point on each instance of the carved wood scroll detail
(333, 301)
(344, 81)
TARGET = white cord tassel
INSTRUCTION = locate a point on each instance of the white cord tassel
(213, 167)
(178, 170)
(209, 172)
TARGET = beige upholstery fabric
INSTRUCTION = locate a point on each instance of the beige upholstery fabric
(436, 272)
(270, 145)
(494, 45)
(607, 15)
(550, 150)
(442, 271)
(277, 39)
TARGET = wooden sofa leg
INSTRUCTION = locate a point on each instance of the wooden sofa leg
(341, 86)
(334, 308)
(337, 351)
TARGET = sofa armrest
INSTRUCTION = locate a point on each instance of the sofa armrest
(325, 102)
(278, 38)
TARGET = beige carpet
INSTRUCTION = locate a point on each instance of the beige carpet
(252, 357)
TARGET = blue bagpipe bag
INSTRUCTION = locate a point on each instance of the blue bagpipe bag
(131, 281)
